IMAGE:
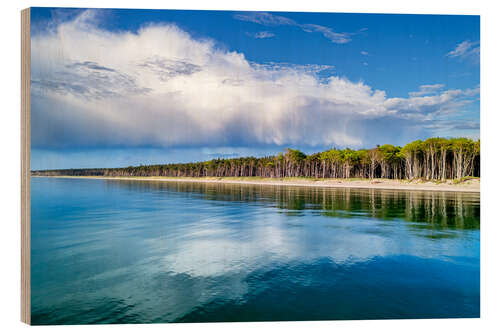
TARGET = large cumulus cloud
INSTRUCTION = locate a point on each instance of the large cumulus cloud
(161, 87)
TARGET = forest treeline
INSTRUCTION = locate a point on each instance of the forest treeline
(432, 159)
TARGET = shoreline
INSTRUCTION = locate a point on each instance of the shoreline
(472, 185)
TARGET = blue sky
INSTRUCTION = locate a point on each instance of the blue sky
(126, 87)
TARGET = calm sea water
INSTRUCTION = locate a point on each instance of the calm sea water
(138, 252)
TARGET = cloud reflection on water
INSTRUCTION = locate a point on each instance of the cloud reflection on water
(190, 252)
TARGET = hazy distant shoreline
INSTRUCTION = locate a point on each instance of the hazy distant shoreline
(472, 185)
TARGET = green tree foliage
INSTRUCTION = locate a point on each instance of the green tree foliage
(432, 159)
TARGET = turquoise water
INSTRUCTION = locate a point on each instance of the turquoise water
(107, 251)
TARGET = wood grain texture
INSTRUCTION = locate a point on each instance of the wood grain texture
(25, 167)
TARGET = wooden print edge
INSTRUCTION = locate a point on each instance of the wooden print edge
(25, 167)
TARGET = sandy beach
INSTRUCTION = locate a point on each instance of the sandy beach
(471, 185)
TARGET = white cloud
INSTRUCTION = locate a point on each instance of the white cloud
(261, 34)
(268, 19)
(431, 100)
(335, 37)
(465, 50)
(427, 89)
(264, 18)
(160, 87)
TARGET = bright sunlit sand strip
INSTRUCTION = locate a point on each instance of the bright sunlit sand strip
(463, 185)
